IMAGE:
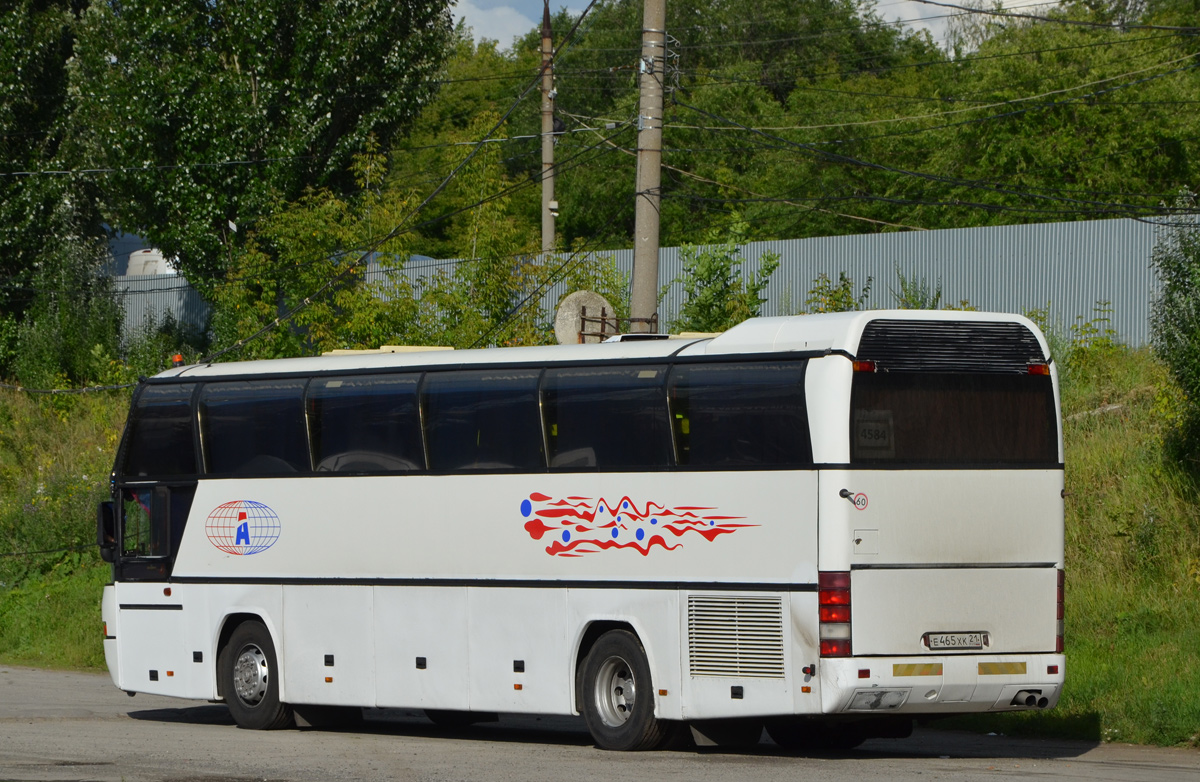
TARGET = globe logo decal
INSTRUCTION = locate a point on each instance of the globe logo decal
(242, 527)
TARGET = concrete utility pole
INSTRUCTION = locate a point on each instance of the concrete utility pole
(549, 205)
(644, 295)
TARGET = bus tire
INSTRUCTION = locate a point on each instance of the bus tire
(249, 676)
(618, 696)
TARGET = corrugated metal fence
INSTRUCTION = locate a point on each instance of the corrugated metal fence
(1068, 267)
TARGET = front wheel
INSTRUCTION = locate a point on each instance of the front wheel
(249, 677)
(618, 696)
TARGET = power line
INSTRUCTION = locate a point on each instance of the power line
(1059, 20)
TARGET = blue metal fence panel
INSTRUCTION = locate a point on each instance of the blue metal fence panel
(1067, 267)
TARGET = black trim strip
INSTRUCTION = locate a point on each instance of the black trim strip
(500, 583)
(917, 466)
(110, 638)
(960, 566)
(151, 607)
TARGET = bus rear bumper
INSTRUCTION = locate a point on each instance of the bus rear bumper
(949, 684)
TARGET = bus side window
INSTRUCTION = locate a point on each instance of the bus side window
(254, 427)
(750, 414)
(607, 418)
(366, 424)
(483, 420)
(160, 440)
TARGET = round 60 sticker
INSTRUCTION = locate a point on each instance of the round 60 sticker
(860, 501)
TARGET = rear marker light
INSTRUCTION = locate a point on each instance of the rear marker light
(864, 673)
(1039, 369)
(864, 366)
(833, 600)
(1052, 670)
(1059, 613)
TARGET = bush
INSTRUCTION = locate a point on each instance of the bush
(1175, 315)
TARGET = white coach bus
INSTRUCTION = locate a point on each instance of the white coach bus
(825, 524)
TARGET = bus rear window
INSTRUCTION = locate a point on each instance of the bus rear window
(936, 418)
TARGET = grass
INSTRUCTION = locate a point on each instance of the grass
(55, 458)
(1132, 548)
(1132, 561)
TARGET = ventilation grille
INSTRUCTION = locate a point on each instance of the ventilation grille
(735, 636)
(947, 346)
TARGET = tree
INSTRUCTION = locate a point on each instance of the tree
(307, 261)
(209, 112)
(1175, 314)
(716, 295)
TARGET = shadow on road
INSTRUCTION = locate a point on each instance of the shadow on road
(192, 715)
(570, 731)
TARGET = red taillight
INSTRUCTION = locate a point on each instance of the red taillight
(835, 613)
(864, 366)
(833, 599)
(1060, 612)
(834, 648)
(1038, 369)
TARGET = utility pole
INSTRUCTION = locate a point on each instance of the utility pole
(549, 205)
(644, 295)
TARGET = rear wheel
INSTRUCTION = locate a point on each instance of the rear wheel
(618, 696)
(249, 677)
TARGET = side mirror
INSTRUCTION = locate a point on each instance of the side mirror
(106, 531)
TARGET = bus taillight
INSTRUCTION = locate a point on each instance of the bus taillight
(1058, 639)
(833, 600)
(1038, 369)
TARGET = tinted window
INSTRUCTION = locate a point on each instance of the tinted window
(483, 420)
(366, 424)
(160, 441)
(145, 528)
(254, 428)
(943, 418)
(607, 417)
(740, 415)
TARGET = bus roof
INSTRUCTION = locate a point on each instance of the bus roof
(828, 332)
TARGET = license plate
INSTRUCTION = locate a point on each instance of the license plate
(947, 641)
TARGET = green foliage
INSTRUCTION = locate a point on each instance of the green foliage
(55, 457)
(828, 296)
(168, 93)
(1175, 316)
(72, 329)
(35, 44)
(716, 295)
(301, 247)
(917, 294)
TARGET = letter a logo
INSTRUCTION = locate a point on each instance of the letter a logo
(243, 531)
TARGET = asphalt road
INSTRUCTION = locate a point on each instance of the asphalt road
(74, 726)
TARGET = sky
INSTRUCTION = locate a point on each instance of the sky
(502, 20)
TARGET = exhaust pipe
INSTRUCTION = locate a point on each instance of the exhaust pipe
(1030, 699)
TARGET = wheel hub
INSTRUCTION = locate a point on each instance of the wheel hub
(616, 692)
(250, 675)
